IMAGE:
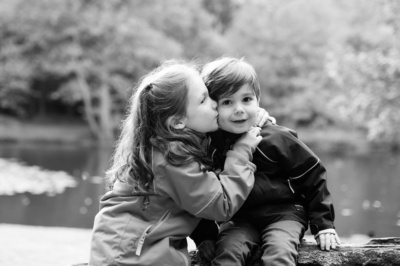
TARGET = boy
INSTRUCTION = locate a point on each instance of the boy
(290, 190)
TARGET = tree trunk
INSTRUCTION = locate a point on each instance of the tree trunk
(104, 112)
(377, 252)
(87, 102)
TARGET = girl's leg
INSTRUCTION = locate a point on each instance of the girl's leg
(280, 242)
(235, 242)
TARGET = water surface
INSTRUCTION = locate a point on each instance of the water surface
(365, 189)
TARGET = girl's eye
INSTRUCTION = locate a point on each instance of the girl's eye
(204, 100)
(247, 99)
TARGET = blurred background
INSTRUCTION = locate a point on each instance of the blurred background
(328, 69)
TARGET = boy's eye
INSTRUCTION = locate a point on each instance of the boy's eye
(225, 102)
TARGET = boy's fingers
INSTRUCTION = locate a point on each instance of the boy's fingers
(322, 241)
(328, 241)
(333, 241)
(337, 239)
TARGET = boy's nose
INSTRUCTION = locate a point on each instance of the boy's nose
(239, 110)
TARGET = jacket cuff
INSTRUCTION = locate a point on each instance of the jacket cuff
(316, 228)
(326, 231)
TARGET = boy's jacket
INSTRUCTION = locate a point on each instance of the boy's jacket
(290, 180)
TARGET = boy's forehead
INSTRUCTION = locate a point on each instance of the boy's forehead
(245, 88)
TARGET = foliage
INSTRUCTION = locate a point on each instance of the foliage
(86, 52)
(367, 74)
(319, 63)
(299, 44)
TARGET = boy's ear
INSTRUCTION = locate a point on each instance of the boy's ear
(177, 123)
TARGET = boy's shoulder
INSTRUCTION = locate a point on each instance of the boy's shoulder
(274, 132)
(278, 139)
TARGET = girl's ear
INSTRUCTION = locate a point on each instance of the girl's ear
(177, 123)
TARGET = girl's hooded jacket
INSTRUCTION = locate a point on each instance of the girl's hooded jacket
(150, 228)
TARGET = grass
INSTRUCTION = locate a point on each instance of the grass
(23, 245)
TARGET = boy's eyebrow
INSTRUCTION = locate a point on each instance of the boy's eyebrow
(252, 93)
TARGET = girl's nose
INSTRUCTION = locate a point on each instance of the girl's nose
(214, 104)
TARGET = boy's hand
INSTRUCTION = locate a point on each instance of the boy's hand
(263, 118)
(206, 250)
(327, 239)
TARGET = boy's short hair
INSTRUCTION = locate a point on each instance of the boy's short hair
(226, 75)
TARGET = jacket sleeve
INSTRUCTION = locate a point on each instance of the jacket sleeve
(201, 192)
(307, 177)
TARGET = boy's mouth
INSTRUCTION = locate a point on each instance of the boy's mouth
(239, 121)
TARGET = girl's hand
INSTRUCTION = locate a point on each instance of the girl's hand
(327, 239)
(251, 139)
(263, 118)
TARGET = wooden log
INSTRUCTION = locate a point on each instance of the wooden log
(377, 252)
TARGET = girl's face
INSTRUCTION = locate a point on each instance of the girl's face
(201, 113)
(238, 112)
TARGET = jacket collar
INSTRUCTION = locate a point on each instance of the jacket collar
(222, 140)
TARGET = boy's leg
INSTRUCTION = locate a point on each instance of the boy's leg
(280, 242)
(235, 242)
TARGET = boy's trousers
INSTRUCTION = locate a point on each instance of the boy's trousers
(238, 238)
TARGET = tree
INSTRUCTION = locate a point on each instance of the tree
(90, 52)
(366, 72)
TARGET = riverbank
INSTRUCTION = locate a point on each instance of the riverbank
(76, 132)
(23, 245)
(45, 130)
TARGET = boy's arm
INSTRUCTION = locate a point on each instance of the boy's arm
(307, 176)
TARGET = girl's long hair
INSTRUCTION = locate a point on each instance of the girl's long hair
(158, 100)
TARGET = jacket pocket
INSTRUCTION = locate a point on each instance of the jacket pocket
(149, 229)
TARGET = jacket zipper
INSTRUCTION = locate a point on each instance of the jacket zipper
(150, 229)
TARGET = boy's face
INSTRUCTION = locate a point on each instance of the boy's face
(237, 113)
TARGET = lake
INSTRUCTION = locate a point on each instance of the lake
(365, 189)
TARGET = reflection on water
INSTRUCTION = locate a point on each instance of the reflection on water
(364, 189)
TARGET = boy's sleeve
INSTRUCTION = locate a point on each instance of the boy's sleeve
(307, 176)
(201, 192)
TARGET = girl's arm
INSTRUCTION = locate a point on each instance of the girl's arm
(203, 193)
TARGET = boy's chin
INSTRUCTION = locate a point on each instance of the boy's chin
(235, 131)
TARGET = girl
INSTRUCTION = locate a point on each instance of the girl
(160, 183)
